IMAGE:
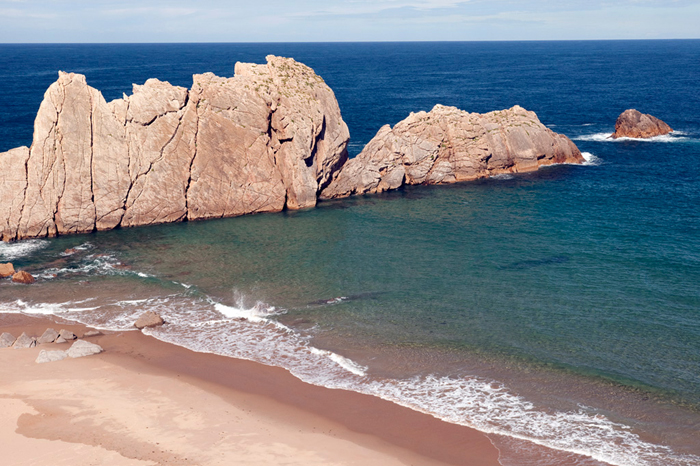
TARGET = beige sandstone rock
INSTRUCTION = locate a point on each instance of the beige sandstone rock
(148, 319)
(24, 341)
(634, 124)
(23, 277)
(266, 139)
(83, 348)
(447, 145)
(6, 340)
(50, 356)
(66, 335)
(7, 270)
(49, 336)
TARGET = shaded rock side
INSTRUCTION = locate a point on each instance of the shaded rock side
(448, 145)
(268, 138)
(635, 124)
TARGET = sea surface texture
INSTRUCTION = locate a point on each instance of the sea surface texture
(558, 311)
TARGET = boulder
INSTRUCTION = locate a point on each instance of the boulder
(66, 335)
(448, 145)
(635, 124)
(7, 270)
(49, 336)
(50, 356)
(148, 319)
(23, 277)
(6, 340)
(83, 348)
(92, 333)
(266, 139)
(24, 341)
(60, 339)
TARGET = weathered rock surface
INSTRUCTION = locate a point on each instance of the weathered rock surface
(148, 319)
(23, 277)
(51, 356)
(447, 145)
(60, 339)
(7, 270)
(66, 335)
(268, 138)
(83, 348)
(24, 341)
(6, 340)
(635, 124)
(49, 336)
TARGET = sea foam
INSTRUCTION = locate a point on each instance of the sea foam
(14, 251)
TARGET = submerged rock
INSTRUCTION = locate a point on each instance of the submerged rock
(50, 356)
(24, 341)
(83, 348)
(23, 277)
(635, 124)
(7, 270)
(268, 138)
(148, 319)
(447, 145)
(49, 336)
(6, 340)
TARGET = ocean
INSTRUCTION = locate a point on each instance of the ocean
(559, 308)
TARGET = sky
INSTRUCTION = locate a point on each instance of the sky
(24, 21)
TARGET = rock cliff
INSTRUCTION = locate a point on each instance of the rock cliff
(270, 137)
(447, 145)
(635, 124)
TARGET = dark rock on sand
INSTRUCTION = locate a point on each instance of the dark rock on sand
(634, 124)
(49, 336)
(7, 270)
(6, 340)
(23, 277)
(148, 319)
(24, 341)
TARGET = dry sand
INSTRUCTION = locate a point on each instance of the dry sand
(145, 402)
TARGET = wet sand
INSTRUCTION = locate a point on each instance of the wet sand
(143, 401)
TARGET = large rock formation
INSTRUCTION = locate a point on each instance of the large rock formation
(268, 138)
(635, 124)
(447, 145)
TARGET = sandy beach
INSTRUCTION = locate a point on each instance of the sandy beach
(146, 402)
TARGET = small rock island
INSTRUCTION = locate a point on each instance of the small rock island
(635, 124)
(269, 138)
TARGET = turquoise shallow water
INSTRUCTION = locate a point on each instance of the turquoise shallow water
(561, 307)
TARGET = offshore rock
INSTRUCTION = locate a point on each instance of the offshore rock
(448, 145)
(7, 270)
(270, 137)
(23, 277)
(635, 124)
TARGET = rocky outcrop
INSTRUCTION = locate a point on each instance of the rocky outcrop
(23, 277)
(270, 137)
(148, 319)
(447, 145)
(634, 124)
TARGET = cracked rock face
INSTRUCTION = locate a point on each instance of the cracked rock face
(447, 145)
(270, 137)
(635, 124)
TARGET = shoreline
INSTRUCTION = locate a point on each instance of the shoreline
(354, 428)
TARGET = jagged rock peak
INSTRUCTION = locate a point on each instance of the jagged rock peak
(268, 138)
(447, 145)
(635, 124)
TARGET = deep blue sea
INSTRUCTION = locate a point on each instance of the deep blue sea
(556, 309)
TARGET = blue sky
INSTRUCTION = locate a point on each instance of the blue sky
(351, 20)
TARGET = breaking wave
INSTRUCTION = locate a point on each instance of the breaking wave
(14, 251)
(676, 136)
